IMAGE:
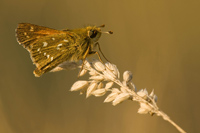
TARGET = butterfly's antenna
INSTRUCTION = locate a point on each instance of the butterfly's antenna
(101, 26)
(107, 32)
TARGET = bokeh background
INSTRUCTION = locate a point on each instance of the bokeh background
(158, 40)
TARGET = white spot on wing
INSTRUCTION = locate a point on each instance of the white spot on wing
(59, 45)
(45, 44)
(48, 56)
(51, 58)
(45, 54)
(38, 49)
(66, 40)
(53, 38)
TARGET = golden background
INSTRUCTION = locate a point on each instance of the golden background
(158, 40)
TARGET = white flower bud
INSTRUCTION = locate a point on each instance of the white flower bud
(98, 65)
(99, 92)
(91, 88)
(109, 84)
(127, 76)
(120, 98)
(110, 97)
(78, 85)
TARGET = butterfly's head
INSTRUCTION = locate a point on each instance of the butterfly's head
(94, 32)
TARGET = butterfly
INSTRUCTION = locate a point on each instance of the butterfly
(50, 48)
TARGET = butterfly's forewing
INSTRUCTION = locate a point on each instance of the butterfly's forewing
(48, 47)
(27, 34)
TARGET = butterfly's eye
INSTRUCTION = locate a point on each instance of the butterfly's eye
(93, 33)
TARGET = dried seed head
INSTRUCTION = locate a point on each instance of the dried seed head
(143, 93)
(93, 72)
(115, 90)
(123, 89)
(111, 97)
(144, 108)
(97, 78)
(120, 98)
(87, 64)
(132, 86)
(152, 93)
(109, 75)
(98, 65)
(142, 111)
(78, 85)
(155, 98)
(83, 72)
(99, 92)
(127, 76)
(91, 88)
(109, 84)
(100, 85)
(113, 68)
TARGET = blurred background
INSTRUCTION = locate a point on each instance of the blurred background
(157, 40)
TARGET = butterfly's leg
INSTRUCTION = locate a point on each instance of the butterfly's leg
(81, 68)
(97, 44)
(97, 53)
(84, 57)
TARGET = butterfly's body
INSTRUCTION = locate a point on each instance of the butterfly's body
(49, 48)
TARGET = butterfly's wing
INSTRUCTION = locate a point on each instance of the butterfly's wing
(48, 47)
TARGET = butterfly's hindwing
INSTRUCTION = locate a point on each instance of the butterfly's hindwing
(50, 51)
